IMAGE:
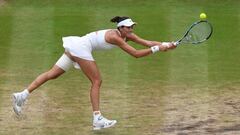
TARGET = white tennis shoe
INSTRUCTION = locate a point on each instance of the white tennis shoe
(102, 122)
(18, 102)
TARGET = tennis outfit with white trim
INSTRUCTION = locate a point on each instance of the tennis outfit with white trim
(82, 47)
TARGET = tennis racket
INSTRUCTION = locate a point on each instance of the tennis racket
(197, 33)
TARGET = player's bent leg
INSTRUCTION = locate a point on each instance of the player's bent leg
(91, 71)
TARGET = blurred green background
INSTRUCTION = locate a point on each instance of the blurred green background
(147, 95)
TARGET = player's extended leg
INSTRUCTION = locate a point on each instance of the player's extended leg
(91, 71)
(20, 97)
(53, 73)
(62, 65)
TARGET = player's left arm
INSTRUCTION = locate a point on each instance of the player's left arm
(133, 37)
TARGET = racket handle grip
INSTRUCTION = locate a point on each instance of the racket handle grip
(176, 43)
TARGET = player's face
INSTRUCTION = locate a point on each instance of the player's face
(127, 29)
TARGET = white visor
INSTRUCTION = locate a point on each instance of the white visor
(126, 22)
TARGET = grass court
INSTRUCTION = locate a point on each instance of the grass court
(192, 90)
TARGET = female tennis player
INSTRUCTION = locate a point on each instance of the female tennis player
(78, 53)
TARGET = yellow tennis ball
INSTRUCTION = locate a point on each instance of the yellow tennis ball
(203, 16)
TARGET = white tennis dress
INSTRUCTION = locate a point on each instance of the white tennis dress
(82, 47)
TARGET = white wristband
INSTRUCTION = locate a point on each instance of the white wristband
(155, 48)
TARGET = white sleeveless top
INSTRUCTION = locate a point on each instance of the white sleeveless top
(82, 47)
(98, 41)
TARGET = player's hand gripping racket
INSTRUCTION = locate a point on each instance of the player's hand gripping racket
(197, 33)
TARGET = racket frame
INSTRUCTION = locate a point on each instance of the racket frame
(178, 42)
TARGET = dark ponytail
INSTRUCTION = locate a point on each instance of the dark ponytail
(118, 19)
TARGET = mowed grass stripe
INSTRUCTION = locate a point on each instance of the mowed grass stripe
(189, 63)
(5, 32)
(188, 69)
(31, 35)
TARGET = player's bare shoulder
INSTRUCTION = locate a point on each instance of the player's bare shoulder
(113, 36)
(112, 33)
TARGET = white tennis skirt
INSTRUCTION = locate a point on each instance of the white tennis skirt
(78, 46)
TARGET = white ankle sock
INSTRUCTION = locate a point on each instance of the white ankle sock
(96, 114)
(25, 93)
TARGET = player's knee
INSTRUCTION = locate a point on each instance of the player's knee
(97, 82)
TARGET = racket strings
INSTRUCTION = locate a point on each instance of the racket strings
(199, 32)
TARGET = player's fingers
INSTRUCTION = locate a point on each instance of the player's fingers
(163, 48)
(172, 45)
